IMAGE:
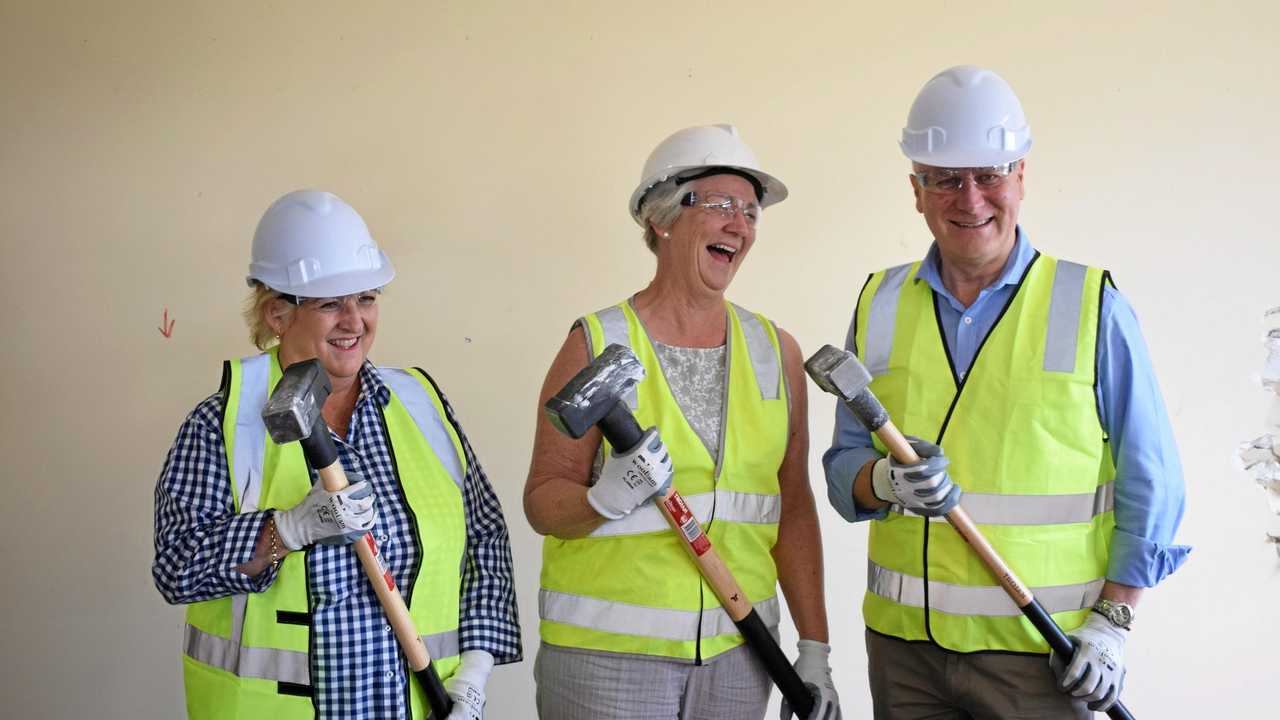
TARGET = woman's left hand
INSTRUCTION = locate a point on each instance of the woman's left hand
(466, 686)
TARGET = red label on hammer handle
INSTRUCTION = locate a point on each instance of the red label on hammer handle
(687, 523)
(382, 565)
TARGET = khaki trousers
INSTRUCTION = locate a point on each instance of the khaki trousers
(921, 681)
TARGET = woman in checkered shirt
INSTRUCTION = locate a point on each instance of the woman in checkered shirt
(281, 621)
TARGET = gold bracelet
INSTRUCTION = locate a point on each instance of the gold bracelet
(275, 545)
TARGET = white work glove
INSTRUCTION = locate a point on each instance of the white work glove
(336, 518)
(923, 487)
(815, 670)
(627, 480)
(1096, 672)
(466, 686)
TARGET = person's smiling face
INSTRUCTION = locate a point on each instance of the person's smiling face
(337, 331)
(977, 225)
(707, 245)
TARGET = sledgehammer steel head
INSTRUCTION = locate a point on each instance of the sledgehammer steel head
(294, 406)
(594, 391)
(840, 373)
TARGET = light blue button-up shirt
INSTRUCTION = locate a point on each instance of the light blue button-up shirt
(1149, 492)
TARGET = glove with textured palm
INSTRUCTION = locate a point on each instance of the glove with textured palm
(466, 686)
(629, 479)
(923, 487)
(333, 518)
(1096, 672)
(815, 670)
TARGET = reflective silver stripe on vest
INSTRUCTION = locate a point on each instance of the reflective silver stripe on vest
(732, 506)
(997, 509)
(441, 645)
(975, 600)
(763, 359)
(626, 619)
(423, 411)
(614, 323)
(1062, 336)
(264, 663)
(882, 318)
(251, 433)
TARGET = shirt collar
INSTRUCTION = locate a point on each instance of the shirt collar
(1014, 267)
(371, 385)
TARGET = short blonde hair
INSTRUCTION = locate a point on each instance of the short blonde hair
(256, 307)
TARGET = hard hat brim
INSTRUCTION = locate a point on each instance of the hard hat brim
(334, 285)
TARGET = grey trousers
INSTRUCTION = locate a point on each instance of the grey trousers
(921, 681)
(578, 684)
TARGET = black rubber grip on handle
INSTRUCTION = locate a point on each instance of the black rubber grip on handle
(1062, 645)
(620, 428)
(437, 697)
(776, 664)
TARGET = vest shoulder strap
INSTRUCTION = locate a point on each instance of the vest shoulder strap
(882, 316)
(247, 382)
(761, 336)
(417, 392)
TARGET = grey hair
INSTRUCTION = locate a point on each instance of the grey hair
(660, 206)
(256, 307)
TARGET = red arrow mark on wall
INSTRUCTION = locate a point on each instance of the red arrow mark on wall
(166, 325)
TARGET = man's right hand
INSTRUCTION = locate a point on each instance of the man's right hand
(628, 480)
(329, 517)
(923, 487)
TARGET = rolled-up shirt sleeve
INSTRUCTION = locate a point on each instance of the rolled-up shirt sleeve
(488, 617)
(1149, 487)
(199, 537)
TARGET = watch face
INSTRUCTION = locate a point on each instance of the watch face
(1121, 614)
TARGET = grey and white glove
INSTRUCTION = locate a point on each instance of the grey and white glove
(923, 487)
(814, 669)
(1096, 672)
(628, 480)
(466, 685)
(333, 518)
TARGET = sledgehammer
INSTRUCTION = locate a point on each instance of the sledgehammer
(840, 373)
(595, 397)
(293, 413)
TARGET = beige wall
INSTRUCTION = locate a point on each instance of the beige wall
(492, 147)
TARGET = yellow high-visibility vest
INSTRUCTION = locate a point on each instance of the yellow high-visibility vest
(1023, 433)
(629, 586)
(246, 656)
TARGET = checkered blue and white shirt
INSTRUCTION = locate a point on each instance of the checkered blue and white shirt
(357, 670)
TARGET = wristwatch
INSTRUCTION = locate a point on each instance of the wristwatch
(1120, 614)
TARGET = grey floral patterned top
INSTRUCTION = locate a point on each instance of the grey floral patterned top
(697, 378)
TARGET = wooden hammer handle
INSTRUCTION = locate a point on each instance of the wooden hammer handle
(384, 587)
(898, 446)
(698, 545)
(1021, 595)
(734, 600)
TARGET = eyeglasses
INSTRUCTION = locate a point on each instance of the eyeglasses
(726, 205)
(951, 181)
(365, 299)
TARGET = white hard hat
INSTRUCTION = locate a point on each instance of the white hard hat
(310, 243)
(689, 151)
(966, 116)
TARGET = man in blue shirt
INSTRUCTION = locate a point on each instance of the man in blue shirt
(1069, 467)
